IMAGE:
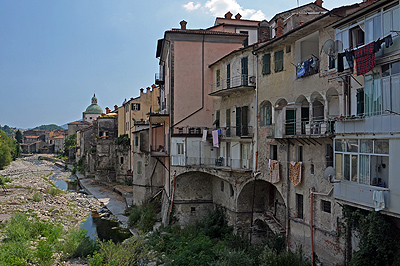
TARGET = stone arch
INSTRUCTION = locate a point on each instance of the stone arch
(332, 97)
(318, 107)
(268, 203)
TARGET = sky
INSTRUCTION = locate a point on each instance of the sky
(54, 55)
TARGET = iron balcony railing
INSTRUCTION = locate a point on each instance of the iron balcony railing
(239, 131)
(220, 162)
(234, 82)
(159, 78)
(307, 128)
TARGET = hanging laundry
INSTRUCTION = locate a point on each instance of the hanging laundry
(378, 44)
(350, 58)
(215, 138)
(219, 131)
(365, 58)
(274, 176)
(300, 70)
(295, 172)
(307, 64)
(388, 41)
(379, 200)
(204, 135)
(340, 65)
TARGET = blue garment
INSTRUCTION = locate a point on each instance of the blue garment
(219, 131)
(300, 70)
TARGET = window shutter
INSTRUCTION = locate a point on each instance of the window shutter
(266, 69)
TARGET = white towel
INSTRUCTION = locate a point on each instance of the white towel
(215, 138)
(204, 135)
(379, 200)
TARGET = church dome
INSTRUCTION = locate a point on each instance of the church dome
(94, 108)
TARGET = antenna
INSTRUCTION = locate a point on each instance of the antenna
(332, 48)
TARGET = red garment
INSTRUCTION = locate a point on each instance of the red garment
(365, 58)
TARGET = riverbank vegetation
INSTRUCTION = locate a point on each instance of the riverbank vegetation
(9, 149)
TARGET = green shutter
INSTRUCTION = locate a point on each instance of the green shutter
(278, 61)
(266, 69)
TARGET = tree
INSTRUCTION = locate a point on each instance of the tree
(70, 142)
(5, 149)
(18, 136)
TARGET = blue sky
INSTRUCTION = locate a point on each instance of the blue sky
(55, 54)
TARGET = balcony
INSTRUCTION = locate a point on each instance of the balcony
(221, 163)
(360, 194)
(241, 83)
(306, 129)
(159, 78)
(190, 131)
(234, 132)
(305, 69)
(385, 123)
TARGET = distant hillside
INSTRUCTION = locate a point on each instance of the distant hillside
(65, 126)
(47, 127)
(8, 130)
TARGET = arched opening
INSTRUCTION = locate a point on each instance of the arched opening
(279, 116)
(317, 107)
(266, 113)
(332, 96)
(259, 200)
(304, 107)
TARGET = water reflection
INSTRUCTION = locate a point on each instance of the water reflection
(104, 229)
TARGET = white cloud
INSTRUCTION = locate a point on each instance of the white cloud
(218, 8)
(192, 6)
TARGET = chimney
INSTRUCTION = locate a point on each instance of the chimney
(141, 90)
(183, 25)
(147, 89)
(131, 98)
(319, 2)
(154, 86)
(238, 16)
(228, 15)
(263, 31)
(279, 27)
(108, 110)
(115, 107)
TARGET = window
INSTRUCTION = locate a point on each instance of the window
(360, 101)
(222, 186)
(179, 147)
(266, 114)
(299, 206)
(242, 118)
(246, 41)
(228, 76)
(300, 153)
(357, 36)
(278, 57)
(245, 71)
(232, 192)
(121, 160)
(266, 66)
(331, 63)
(218, 78)
(312, 169)
(273, 152)
(135, 106)
(288, 49)
(217, 117)
(326, 206)
(391, 87)
(372, 95)
(136, 141)
(139, 168)
(363, 161)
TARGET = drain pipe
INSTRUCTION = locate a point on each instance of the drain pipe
(287, 195)
(312, 224)
(173, 193)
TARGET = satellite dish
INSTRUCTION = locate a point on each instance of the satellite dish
(329, 174)
(329, 47)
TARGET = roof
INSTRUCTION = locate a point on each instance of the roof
(299, 7)
(94, 109)
(205, 31)
(32, 137)
(79, 122)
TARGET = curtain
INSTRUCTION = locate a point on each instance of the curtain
(364, 169)
(377, 95)
(386, 94)
(368, 92)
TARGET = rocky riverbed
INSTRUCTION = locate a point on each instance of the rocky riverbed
(30, 191)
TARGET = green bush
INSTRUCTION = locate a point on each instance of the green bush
(131, 252)
(229, 257)
(270, 257)
(37, 197)
(144, 216)
(78, 244)
(54, 191)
